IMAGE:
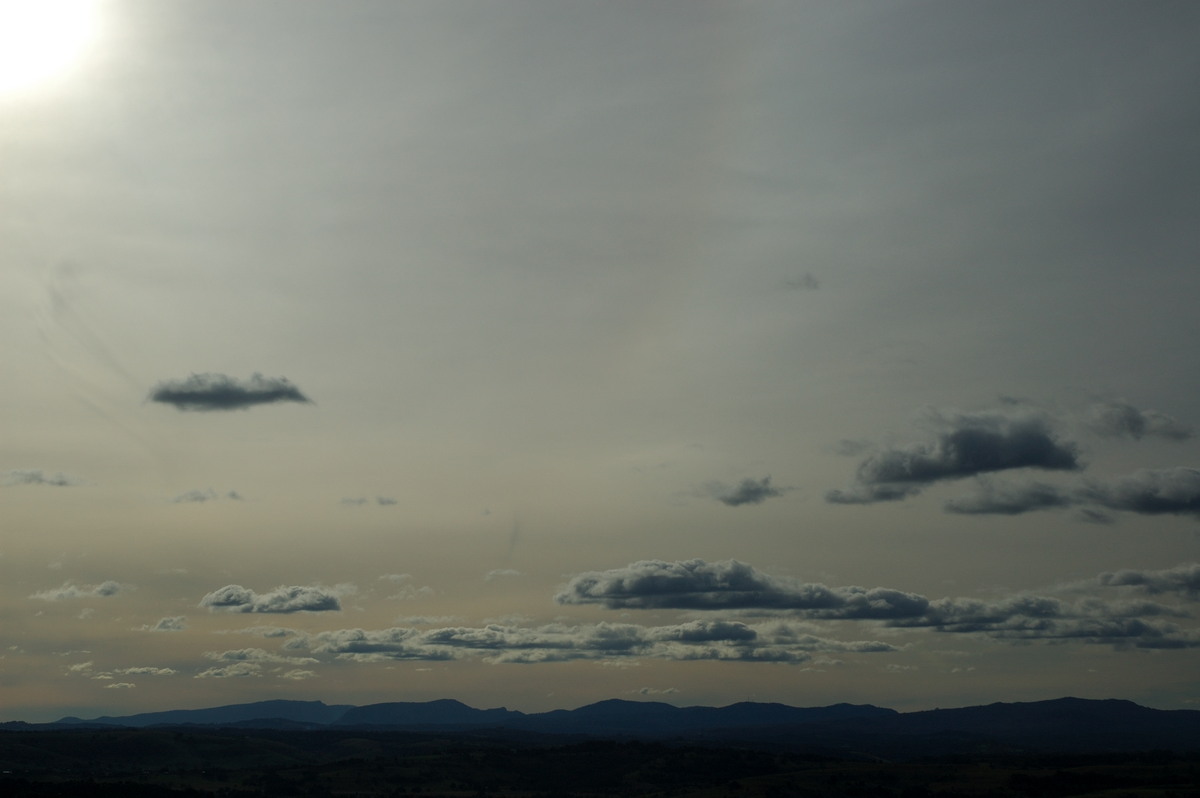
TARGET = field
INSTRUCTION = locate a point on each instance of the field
(181, 762)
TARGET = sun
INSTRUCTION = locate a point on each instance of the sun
(41, 40)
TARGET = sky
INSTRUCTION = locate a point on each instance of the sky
(533, 354)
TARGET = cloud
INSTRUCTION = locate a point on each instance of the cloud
(147, 670)
(195, 496)
(699, 585)
(119, 686)
(205, 392)
(256, 655)
(36, 476)
(731, 585)
(501, 643)
(1164, 491)
(1010, 499)
(175, 623)
(805, 282)
(73, 591)
(235, 671)
(283, 599)
(206, 495)
(748, 491)
(971, 444)
(1119, 419)
(500, 572)
(1183, 579)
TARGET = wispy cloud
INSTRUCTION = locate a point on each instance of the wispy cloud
(283, 599)
(36, 476)
(1118, 419)
(175, 623)
(499, 573)
(1183, 579)
(201, 496)
(205, 392)
(1162, 491)
(70, 590)
(748, 491)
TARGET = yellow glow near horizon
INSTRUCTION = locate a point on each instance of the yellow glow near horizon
(41, 40)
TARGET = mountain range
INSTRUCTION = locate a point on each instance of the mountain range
(1064, 724)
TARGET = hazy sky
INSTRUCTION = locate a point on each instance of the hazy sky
(536, 353)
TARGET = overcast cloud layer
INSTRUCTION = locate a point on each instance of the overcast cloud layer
(797, 352)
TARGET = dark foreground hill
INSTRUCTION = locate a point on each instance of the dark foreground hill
(230, 762)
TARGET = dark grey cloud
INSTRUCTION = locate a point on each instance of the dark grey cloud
(1119, 419)
(969, 445)
(36, 476)
(283, 599)
(748, 491)
(730, 585)
(1183, 579)
(1163, 491)
(205, 392)
(501, 643)
(70, 590)
(1011, 499)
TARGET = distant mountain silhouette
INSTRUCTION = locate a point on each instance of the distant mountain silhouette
(304, 712)
(426, 714)
(1065, 724)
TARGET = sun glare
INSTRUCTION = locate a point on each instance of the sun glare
(41, 40)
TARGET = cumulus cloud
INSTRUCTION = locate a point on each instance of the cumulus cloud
(206, 392)
(729, 585)
(174, 623)
(1184, 579)
(968, 444)
(700, 585)
(36, 476)
(283, 599)
(501, 643)
(748, 491)
(119, 686)
(70, 590)
(1119, 419)
(147, 670)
